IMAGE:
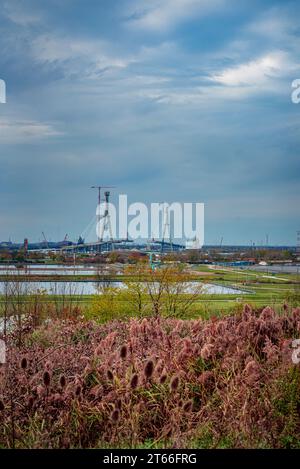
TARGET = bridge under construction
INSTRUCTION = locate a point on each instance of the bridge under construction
(105, 242)
(123, 245)
(107, 245)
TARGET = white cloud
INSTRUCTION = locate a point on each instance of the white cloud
(83, 57)
(25, 131)
(164, 14)
(256, 72)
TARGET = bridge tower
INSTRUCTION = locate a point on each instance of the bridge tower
(105, 219)
(167, 228)
(98, 218)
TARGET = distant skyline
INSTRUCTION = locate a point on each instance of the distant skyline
(168, 100)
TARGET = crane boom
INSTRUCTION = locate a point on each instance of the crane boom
(45, 239)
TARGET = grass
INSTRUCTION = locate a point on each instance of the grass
(80, 322)
(237, 386)
(205, 305)
(259, 289)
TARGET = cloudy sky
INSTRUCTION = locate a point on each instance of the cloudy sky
(175, 100)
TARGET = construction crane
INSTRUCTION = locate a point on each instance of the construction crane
(99, 188)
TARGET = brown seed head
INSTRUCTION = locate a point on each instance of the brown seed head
(123, 352)
(30, 402)
(24, 363)
(174, 383)
(148, 371)
(115, 415)
(163, 378)
(134, 381)
(46, 378)
(62, 381)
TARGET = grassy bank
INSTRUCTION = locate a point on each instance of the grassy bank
(259, 289)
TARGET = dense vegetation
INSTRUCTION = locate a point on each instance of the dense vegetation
(154, 382)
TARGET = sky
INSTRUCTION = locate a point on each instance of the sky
(168, 100)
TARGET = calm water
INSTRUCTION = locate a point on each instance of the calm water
(87, 288)
(276, 268)
(55, 269)
(92, 288)
(38, 269)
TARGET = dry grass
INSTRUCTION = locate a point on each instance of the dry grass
(153, 382)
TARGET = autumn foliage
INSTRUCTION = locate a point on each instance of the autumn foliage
(153, 382)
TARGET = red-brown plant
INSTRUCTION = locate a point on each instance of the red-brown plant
(228, 381)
